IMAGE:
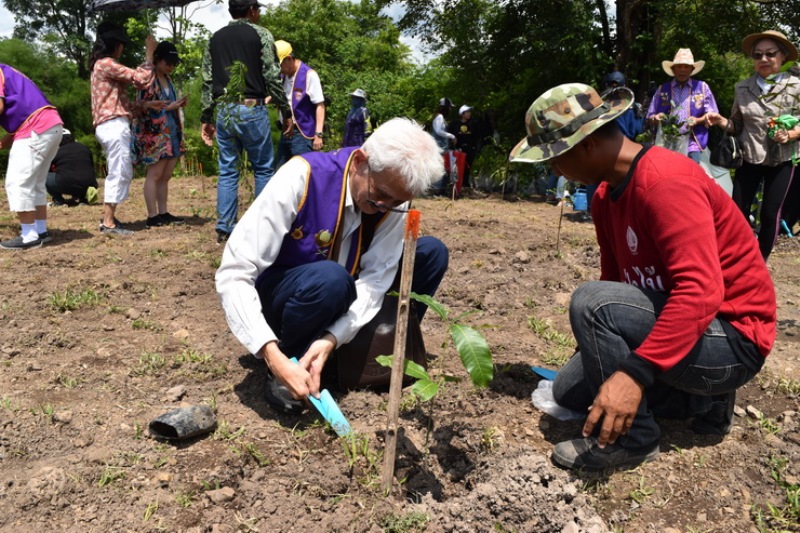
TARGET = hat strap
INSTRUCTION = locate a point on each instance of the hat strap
(568, 129)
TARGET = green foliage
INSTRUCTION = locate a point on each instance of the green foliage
(404, 523)
(70, 299)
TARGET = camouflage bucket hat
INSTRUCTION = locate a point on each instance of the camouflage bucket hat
(564, 116)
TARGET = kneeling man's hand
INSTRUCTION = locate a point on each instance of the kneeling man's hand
(314, 360)
(616, 404)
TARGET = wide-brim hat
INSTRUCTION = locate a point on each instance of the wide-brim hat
(684, 56)
(360, 93)
(109, 30)
(565, 115)
(749, 42)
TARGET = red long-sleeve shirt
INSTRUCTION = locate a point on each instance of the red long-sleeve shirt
(671, 228)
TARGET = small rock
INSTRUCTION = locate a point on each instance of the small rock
(133, 313)
(702, 517)
(82, 442)
(103, 352)
(724, 493)
(571, 527)
(108, 327)
(754, 413)
(739, 411)
(63, 417)
(522, 257)
(163, 478)
(225, 494)
(790, 479)
(498, 251)
(176, 393)
(33, 367)
(181, 334)
(745, 496)
(99, 455)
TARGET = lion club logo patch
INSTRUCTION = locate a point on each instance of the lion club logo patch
(323, 238)
(633, 240)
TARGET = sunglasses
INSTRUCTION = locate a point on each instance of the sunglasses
(758, 55)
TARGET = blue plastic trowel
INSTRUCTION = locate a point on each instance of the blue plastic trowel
(329, 410)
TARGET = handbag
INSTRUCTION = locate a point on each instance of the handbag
(727, 154)
(355, 361)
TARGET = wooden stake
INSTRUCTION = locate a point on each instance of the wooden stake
(400, 333)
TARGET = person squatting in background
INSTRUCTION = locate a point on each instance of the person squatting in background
(111, 114)
(158, 135)
(72, 173)
(34, 132)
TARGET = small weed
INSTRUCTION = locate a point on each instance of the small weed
(640, 494)
(549, 334)
(490, 439)
(212, 402)
(138, 430)
(158, 253)
(68, 382)
(786, 517)
(404, 523)
(224, 432)
(185, 499)
(769, 425)
(110, 475)
(149, 363)
(360, 455)
(115, 309)
(150, 510)
(46, 410)
(207, 485)
(141, 323)
(408, 403)
(789, 386)
(5, 403)
(255, 453)
(70, 300)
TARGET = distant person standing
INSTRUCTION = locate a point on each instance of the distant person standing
(304, 91)
(34, 132)
(357, 125)
(71, 172)
(686, 98)
(444, 140)
(111, 114)
(467, 138)
(244, 124)
(158, 135)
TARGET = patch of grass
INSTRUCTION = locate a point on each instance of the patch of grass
(47, 410)
(789, 386)
(640, 494)
(69, 300)
(68, 381)
(768, 425)
(562, 343)
(404, 523)
(185, 499)
(224, 432)
(785, 517)
(150, 510)
(200, 366)
(365, 464)
(490, 439)
(158, 253)
(109, 475)
(141, 323)
(5, 403)
(149, 363)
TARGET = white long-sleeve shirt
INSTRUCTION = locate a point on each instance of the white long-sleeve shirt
(255, 244)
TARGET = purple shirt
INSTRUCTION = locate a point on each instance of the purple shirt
(693, 99)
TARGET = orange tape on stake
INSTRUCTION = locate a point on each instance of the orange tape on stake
(412, 224)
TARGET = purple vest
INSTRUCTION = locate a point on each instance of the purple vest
(22, 98)
(303, 110)
(321, 213)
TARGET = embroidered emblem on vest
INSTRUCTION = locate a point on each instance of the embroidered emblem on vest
(323, 238)
(633, 240)
(297, 233)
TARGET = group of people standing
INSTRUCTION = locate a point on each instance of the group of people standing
(768, 152)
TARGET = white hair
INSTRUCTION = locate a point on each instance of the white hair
(401, 145)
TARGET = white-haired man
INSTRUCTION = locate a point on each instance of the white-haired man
(310, 261)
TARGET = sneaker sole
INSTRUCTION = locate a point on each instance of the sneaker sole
(570, 463)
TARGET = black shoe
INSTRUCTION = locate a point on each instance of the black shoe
(45, 236)
(222, 236)
(156, 221)
(718, 420)
(585, 454)
(279, 398)
(169, 218)
(117, 229)
(18, 244)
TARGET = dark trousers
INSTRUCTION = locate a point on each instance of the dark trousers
(300, 303)
(777, 184)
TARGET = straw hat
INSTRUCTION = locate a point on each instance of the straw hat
(683, 57)
(750, 41)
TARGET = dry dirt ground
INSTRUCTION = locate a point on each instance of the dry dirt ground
(97, 332)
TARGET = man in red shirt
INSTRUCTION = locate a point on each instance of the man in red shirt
(684, 312)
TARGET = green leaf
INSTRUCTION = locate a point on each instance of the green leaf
(410, 368)
(474, 352)
(425, 389)
(432, 304)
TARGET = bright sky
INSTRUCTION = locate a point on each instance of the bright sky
(214, 15)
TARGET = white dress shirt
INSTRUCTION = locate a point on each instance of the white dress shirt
(256, 242)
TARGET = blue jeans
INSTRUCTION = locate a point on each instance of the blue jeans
(300, 303)
(694, 156)
(240, 128)
(289, 147)
(610, 319)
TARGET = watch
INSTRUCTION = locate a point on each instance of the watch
(319, 134)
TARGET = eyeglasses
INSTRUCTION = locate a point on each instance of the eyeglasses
(758, 55)
(380, 204)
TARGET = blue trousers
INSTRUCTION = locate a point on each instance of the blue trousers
(240, 128)
(300, 303)
(289, 147)
(610, 319)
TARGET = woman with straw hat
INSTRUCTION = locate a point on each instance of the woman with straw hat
(767, 94)
(686, 98)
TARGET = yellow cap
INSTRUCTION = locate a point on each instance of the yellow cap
(283, 49)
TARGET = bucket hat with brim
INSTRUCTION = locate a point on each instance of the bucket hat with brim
(565, 115)
(683, 56)
(750, 41)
